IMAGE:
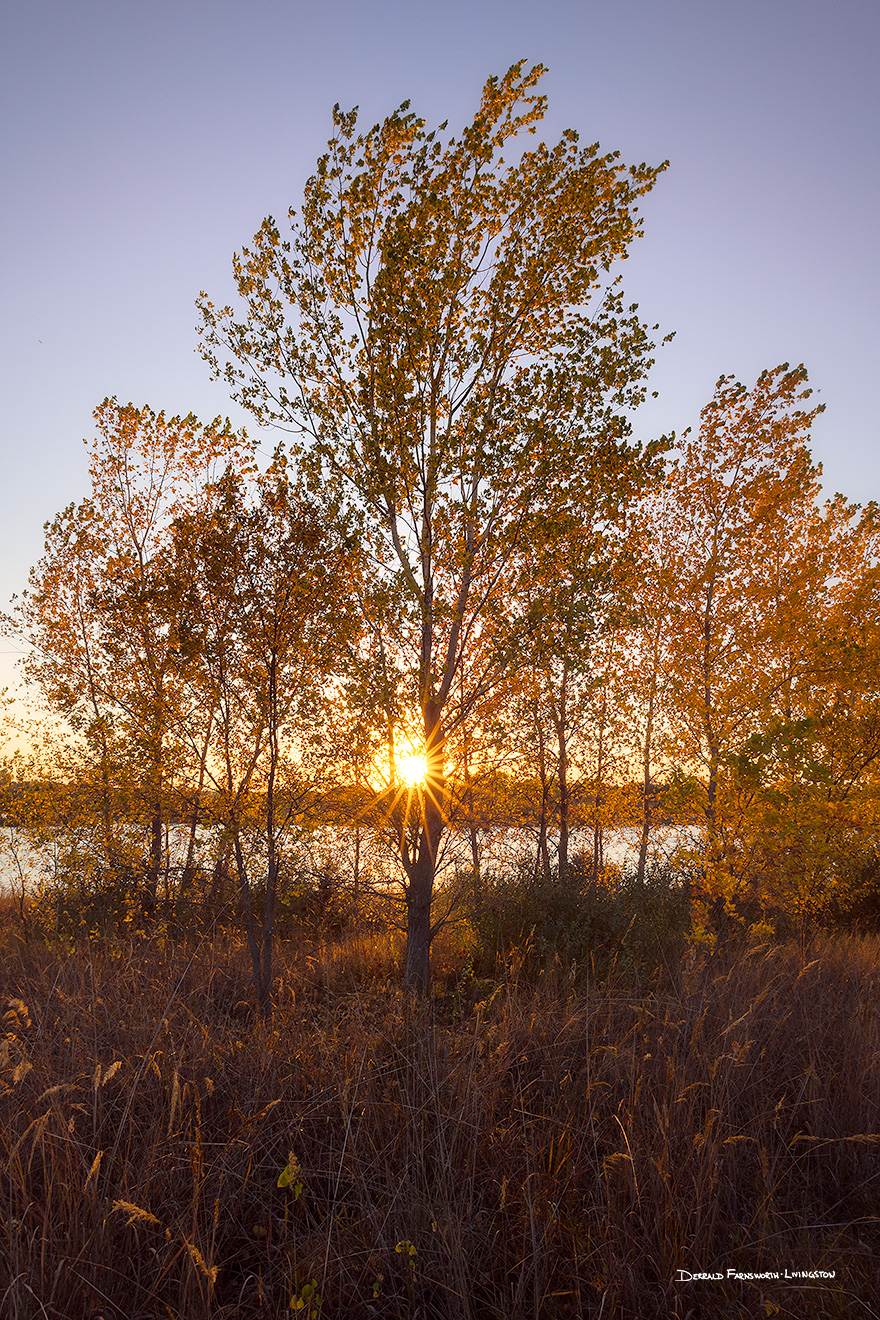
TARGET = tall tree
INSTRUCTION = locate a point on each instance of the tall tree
(744, 485)
(806, 779)
(576, 586)
(101, 619)
(441, 331)
(267, 581)
(660, 542)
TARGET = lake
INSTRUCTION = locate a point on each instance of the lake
(23, 863)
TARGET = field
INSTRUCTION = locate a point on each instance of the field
(523, 1148)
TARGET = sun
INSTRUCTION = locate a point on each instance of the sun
(412, 768)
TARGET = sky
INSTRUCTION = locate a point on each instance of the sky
(142, 144)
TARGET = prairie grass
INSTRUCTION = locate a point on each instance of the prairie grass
(519, 1151)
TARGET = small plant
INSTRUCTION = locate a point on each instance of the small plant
(308, 1300)
(408, 1252)
(290, 1176)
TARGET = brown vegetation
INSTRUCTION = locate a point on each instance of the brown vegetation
(516, 1148)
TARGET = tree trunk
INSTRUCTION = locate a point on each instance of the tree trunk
(157, 838)
(598, 801)
(469, 802)
(216, 896)
(646, 835)
(157, 846)
(562, 777)
(253, 932)
(417, 974)
(265, 988)
(189, 866)
(420, 890)
(647, 785)
(542, 860)
(157, 816)
(714, 851)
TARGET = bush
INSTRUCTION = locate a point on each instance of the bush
(855, 905)
(581, 924)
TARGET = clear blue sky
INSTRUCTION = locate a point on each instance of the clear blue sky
(141, 144)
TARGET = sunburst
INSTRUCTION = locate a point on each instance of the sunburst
(412, 768)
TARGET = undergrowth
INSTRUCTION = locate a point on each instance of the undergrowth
(507, 1148)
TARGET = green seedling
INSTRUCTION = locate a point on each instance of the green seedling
(290, 1176)
(408, 1252)
(308, 1300)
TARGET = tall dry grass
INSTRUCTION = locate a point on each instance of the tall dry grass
(544, 1153)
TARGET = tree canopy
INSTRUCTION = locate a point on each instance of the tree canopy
(442, 333)
(457, 561)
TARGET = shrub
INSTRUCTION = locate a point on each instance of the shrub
(855, 904)
(584, 925)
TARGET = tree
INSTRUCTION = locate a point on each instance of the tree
(806, 777)
(265, 584)
(442, 334)
(660, 545)
(576, 587)
(103, 620)
(745, 487)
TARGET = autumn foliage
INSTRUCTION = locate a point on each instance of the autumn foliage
(609, 656)
(459, 667)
